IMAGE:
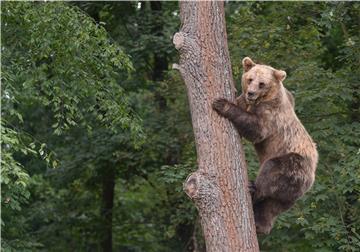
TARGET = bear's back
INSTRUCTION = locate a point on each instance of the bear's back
(286, 132)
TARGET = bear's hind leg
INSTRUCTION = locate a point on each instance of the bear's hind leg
(283, 178)
(281, 181)
(265, 213)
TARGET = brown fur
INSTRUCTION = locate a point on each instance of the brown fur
(287, 154)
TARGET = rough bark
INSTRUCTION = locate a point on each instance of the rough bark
(219, 186)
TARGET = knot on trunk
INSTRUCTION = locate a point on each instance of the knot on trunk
(202, 189)
(187, 45)
(178, 40)
(191, 54)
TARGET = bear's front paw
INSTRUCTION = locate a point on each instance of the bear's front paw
(221, 105)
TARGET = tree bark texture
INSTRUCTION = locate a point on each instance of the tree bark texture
(219, 188)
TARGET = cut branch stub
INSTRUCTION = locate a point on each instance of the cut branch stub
(178, 40)
(199, 187)
(190, 53)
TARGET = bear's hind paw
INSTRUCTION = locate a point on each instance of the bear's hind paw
(252, 188)
(263, 230)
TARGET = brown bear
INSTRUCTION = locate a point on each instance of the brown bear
(264, 114)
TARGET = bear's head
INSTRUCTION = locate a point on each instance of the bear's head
(260, 82)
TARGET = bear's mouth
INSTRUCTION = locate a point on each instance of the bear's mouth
(251, 100)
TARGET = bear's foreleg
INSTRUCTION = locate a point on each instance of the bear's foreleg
(247, 124)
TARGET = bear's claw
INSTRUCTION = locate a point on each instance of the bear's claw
(221, 105)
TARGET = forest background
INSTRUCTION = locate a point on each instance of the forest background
(96, 132)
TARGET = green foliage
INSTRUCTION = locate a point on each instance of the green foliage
(60, 70)
(56, 55)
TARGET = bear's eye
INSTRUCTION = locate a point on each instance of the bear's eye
(261, 84)
(250, 80)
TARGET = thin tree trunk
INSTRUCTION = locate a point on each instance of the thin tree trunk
(219, 188)
(160, 59)
(108, 186)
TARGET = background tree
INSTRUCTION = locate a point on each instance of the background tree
(46, 94)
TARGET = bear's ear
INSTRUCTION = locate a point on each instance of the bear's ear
(247, 64)
(280, 75)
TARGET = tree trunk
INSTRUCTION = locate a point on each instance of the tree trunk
(108, 186)
(160, 59)
(219, 188)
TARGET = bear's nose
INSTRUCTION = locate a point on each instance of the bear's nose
(250, 94)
